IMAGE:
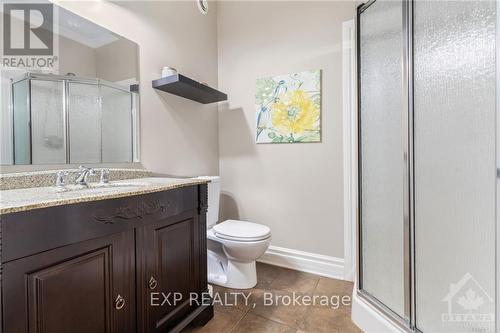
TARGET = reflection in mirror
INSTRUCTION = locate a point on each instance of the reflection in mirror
(84, 123)
(82, 110)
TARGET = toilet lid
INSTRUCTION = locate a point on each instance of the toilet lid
(241, 230)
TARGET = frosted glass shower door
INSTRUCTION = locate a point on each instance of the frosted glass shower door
(454, 143)
(84, 123)
(22, 128)
(382, 166)
(116, 125)
(47, 122)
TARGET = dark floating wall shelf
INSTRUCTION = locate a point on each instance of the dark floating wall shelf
(183, 86)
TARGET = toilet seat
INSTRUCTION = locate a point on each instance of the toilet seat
(241, 231)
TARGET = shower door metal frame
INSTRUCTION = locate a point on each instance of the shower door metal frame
(66, 80)
(11, 107)
(408, 322)
(497, 151)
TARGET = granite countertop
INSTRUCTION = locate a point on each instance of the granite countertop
(23, 199)
(30, 179)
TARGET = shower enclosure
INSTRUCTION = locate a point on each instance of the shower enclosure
(427, 163)
(68, 119)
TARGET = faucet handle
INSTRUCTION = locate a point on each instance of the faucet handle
(84, 172)
(60, 178)
(83, 168)
(104, 176)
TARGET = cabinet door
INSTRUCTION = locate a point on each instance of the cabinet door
(170, 256)
(84, 287)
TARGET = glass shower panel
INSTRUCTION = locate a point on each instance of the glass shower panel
(22, 133)
(454, 143)
(382, 164)
(84, 123)
(47, 122)
(116, 125)
(6, 116)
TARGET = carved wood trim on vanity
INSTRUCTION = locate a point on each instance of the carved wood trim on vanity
(129, 212)
(57, 243)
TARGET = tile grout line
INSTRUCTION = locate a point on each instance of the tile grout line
(245, 312)
(248, 307)
(276, 322)
(237, 322)
(316, 285)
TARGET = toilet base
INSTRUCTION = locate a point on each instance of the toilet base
(229, 273)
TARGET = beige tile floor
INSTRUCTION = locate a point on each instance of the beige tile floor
(255, 316)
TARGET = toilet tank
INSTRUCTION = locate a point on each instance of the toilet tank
(213, 200)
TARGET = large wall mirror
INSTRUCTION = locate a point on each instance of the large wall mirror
(84, 109)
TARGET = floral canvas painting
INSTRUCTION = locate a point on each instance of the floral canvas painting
(288, 108)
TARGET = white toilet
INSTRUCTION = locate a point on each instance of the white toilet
(233, 246)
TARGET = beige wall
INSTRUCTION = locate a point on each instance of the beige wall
(178, 136)
(296, 189)
(76, 58)
(113, 62)
(117, 61)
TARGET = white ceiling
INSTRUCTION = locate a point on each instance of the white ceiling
(83, 31)
(77, 28)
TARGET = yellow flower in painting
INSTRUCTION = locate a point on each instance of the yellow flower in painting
(295, 112)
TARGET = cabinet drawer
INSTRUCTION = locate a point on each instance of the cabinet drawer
(34, 231)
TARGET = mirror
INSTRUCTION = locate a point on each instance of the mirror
(78, 104)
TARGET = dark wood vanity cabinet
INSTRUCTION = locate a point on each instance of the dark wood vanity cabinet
(171, 276)
(84, 287)
(135, 264)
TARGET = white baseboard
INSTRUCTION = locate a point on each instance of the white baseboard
(304, 261)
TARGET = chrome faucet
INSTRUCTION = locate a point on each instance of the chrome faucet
(60, 178)
(104, 176)
(81, 179)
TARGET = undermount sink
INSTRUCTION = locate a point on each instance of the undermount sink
(122, 184)
(101, 186)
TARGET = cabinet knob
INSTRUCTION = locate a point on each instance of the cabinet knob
(152, 283)
(119, 302)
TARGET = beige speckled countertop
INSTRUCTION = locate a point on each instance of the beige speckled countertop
(18, 200)
(12, 181)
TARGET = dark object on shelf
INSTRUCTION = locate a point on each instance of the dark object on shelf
(183, 86)
(134, 88)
